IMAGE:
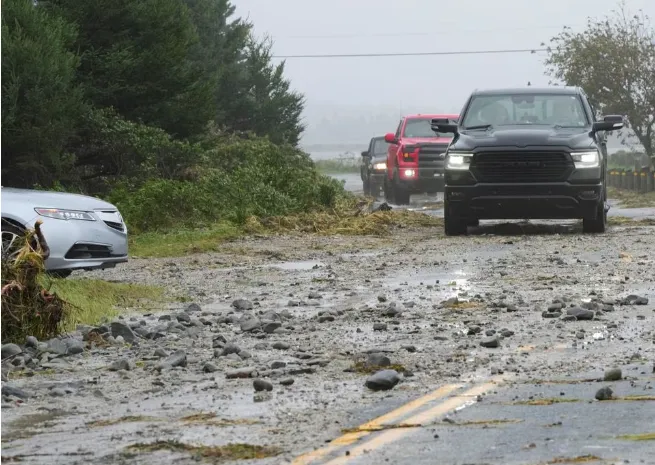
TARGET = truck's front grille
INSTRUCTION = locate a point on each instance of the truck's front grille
(521, 166)
(431, 156)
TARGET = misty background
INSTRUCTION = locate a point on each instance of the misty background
(349, 100)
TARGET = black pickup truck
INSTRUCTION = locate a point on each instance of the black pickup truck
(527, 153)
(374, 166)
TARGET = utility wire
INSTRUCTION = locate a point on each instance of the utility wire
(406, 54)
(438, 32)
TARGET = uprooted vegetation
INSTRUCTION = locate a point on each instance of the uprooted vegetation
(222, 453)
(28, 309)
(35, 304)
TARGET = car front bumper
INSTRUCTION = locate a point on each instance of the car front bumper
(83, 244)
(509, 201)
(424, 179)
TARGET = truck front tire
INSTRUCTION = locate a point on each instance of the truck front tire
(453, 225)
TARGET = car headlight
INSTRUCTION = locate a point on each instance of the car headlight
(59, 214)
(458, 161)
(380, 166)
(586, 159)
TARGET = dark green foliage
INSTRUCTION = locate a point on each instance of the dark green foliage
(263, 179)
(40, 98)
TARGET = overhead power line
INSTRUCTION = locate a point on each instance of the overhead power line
(416, 54)
(437, 32)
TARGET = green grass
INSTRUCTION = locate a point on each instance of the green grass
(337, 166)
(94, 300)
(631, 199)
(183, 242)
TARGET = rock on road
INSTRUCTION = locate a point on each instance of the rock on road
(404, 349)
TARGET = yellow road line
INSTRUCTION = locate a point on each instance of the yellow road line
(389, 436)
(350, 438)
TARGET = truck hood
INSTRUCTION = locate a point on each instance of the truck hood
(525, 136)
(47, 199)
(425, 140)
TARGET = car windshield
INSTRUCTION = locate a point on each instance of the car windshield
(525, 109)
(380, 147)
(421, 127)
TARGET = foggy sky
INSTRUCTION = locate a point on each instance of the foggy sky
(350, 87)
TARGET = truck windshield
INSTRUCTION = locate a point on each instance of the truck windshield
(526, 109)
(380, 147)
(421, 127)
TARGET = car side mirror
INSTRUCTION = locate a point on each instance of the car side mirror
(390, 138)
(365, 153)
(609, 123)
(443, 125)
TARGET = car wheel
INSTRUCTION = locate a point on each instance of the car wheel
(473, 223)
(400, 194)
(11, 240)
(453, 225)
(388, 192)
(366, 185)
(599, 224)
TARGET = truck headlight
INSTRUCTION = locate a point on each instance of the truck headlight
(59, 214)
(589, 159)
(458, 161)
(380, 166)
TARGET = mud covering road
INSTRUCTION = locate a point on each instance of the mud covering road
(495, 348)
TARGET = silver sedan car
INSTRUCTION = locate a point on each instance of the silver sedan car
(82, 232)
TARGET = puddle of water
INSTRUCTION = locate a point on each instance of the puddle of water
(297, 266)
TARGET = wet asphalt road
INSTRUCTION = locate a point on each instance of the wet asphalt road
(424, 203)
(329, 302)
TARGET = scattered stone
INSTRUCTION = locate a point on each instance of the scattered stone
(193, 307)
(57, 392)
(581, 313)
(314, 295)
(287, 382)
(183, 317)
(209, 367)
(635, 300)
(281, 346)
(178, 359)
(247, 372)
(410, 348)
(10, 350)
(382, 298)
(277, 365)
(613, 374)
(31, 342)
(551, 314)
(230, 349)
(270, 327)
(556, 307)
(379, 326)
(12, 391)
(604, 393)
(475, 329)
(250, 325)
(242, 305)
(122, 364)
(122, 330)
(262, 385)
(378, 360)
(160, 353)
(492, 342)
(74, 346)
(383, 380)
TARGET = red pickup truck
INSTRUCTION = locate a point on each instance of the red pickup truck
(415, 159)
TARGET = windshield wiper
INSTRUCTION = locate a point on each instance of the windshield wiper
(481, 126)
(560, 126)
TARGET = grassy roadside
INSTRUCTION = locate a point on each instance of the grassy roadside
(347, 222)
(93, 301)
(630, 199)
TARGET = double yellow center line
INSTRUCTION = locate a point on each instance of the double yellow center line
(390, 435)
